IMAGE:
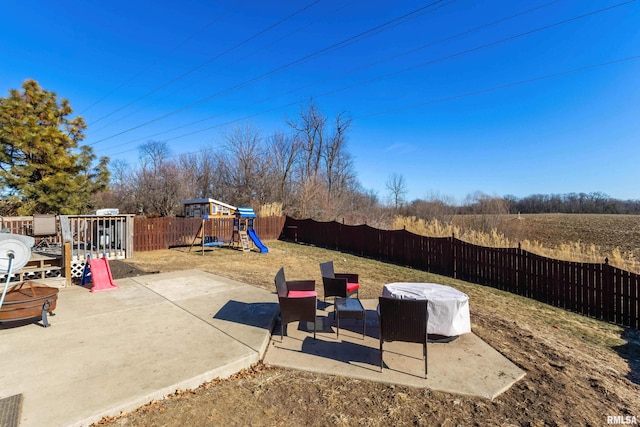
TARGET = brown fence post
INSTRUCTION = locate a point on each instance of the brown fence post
(569, 285)
(519, 276)
(607, 292)
(454, 258)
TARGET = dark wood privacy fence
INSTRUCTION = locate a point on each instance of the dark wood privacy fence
(596, 290)
(162, 233)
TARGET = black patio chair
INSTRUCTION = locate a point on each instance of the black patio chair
(297, 299)
(338, 284)
(404, 320)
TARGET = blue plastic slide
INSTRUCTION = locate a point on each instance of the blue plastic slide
(256, 241)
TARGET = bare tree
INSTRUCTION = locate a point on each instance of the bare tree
(310, 173)
(284, 152)
(337, 161)
(433, 206)
(397, 188)
(153, 154)
(488, 211)
(309, 127)
(160, 183)
(309, 200)
(168, 190)
(201, 172)
(123, 187)
(244, 162)
(323, 163)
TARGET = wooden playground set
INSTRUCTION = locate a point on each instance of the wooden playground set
(244, 235)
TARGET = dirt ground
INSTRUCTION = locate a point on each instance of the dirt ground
(606, 231)
(578, 370)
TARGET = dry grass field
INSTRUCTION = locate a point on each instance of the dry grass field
(579, 370)
(606, 232)
(570, 237)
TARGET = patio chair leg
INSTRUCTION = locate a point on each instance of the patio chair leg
(45, 309)
(425, 360)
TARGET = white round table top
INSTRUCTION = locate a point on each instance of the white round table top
(429, 291)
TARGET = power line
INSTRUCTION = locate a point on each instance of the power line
(151, 66)
(342, 6)
(467, 32)
(277, 70)
(385, 76)
(503, 86)
(477, 48)
(192, 70)
(459, 96)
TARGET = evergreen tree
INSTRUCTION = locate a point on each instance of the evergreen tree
(42, 167)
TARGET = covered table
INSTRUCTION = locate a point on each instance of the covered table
(448, 307)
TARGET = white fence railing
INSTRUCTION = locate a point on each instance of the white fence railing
(95, 235)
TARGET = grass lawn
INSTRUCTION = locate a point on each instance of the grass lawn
(579, 370)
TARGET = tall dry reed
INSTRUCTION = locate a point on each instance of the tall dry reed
(566, 251)
(270, 209)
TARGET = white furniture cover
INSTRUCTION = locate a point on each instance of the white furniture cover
(448, 307)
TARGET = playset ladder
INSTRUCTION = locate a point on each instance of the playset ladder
(244, 240)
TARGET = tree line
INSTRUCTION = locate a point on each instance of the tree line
(586, 203)
(305, 171)
(479, 203)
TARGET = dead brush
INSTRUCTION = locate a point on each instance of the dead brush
(565, 251)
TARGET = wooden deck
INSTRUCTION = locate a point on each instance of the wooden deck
(40, 266)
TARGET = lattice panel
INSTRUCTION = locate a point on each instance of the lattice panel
(54, 273)
(30, 275)
(77, 268)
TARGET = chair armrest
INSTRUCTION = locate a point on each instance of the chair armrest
(334, 287)
(351, 277)
(288, 303)
(301, 285)
(298, 308)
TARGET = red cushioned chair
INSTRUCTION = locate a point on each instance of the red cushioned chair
(338, 284)
(298, 301)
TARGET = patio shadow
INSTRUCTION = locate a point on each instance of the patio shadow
(257, 314)
(630, 351)
(341, 351)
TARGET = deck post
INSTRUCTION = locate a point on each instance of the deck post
(66, 262)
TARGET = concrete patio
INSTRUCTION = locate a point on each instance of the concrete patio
(466, 365)
(115, 350)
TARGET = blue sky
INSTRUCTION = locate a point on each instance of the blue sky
(502, 97)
